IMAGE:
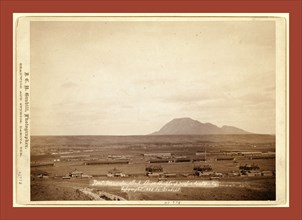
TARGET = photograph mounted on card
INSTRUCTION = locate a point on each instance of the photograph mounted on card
(185, 110)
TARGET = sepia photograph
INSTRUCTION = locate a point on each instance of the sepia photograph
(150, 110)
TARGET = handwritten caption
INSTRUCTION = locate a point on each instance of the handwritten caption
(151, 186)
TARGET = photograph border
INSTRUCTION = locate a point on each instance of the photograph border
(22, 52)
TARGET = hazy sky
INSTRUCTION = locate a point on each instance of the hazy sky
(120, 78)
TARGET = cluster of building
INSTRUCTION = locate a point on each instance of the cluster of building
(157, 171)
(115, 173)
(39, 174)
(204, 156)
(231, 155)
(254, 170)
(79, 174)
(76, 174)
(153, 161)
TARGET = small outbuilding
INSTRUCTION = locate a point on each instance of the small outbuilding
(40, 174)
(76, 173)
(115, 173)
(267, 173)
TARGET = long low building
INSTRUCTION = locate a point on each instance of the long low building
(182, 160)
(170, 175)
(225, 158)
(74, 156)
(250, 153)
(199, 159)
(158, 155)
(100, 162)
(262, 157)
(207, 153)
(160, 161)
(42, 164)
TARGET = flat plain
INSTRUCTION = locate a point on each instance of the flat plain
(69, 167)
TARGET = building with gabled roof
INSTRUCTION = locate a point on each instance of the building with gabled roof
(76, 173)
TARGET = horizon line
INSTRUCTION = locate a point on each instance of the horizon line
(144, 134)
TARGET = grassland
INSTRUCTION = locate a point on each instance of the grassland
(69, 153)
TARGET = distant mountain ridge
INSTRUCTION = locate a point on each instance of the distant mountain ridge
(188, 126)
